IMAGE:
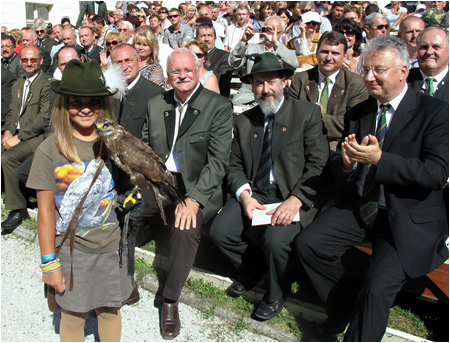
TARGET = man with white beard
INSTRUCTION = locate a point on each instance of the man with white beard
(278, 152)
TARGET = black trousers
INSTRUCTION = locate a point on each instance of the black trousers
(321, 247)
(183, 243)
(228, 230)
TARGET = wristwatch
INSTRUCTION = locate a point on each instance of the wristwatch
(19, 137)
(193, 200)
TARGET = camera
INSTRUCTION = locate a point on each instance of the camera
(259, 29)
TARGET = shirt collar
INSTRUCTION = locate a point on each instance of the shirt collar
(439, 77)
(332, 77)
(132, 84)
(187, 100)
(396, 101)
(31, 79)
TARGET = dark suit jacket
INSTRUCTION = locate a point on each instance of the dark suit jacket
(94, 54)
(87, 7)
(35, 114)
(413, 169)
(218, 63)
(8, 79)
(48, 44)
(47, 60)
(203, 143)
(415, 80)
(15, 67)
(299, 152)
(132, 114)
(348, 91)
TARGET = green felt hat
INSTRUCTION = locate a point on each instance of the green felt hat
(82, 79)
(265, 63)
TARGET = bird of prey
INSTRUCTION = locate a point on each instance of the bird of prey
(142, 164)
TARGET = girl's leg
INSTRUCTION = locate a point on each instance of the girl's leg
(109, 324)
(72, 326)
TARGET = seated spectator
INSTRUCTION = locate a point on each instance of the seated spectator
(17, 34)
(375, 25)
(298, 9)
(57, 34)
(65, 22)
(352, 12)
(134, 20)
(156, 25)
(90, 49)
(142, 17)
(283, 13)
(204, 12)
(190, 15)
(178, 34)
(372, 8)
(127, 29)
(110, 18)
(43, 41)
(306, 43)
(352, 32)
(23, 131)
(30, 38)
(420, 10)
(204, 20)
(147, 47)
(218, 20)
(334, 88)
(235, 31)
(112, 40)
(8, 79)
(207, 78)
(409, 29)
(337, 11)
(266, 10)
(394, 14)
(436, 16)
(11, 59)
(163, 14)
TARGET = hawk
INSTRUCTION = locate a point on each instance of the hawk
(142, 164)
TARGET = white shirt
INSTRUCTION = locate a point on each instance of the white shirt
(322, 83)
(26, 89)
(437, 79)
(234, 35)
(246, 186)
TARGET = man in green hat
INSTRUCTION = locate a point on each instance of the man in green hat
(278, 152)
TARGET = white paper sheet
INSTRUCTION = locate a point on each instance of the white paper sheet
(261, 218)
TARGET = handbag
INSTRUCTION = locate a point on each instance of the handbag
(49, 291)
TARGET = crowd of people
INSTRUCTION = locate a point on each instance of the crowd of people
(340, 122)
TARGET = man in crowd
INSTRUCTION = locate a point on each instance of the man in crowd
(99, 22)
(163, 13)
(218, 59)
(242, 56)
(278, 152)
(23, 131)
(375, 25)
(409, 29)
(57, 33)
(90, 49)
(132, 108)
(205, 11)
(11, 60)
(235, 31)
(88, 7)
(156, 25)
(178, 34)
(29, 38)
(334, 88)
(118, 17)
(127, 29)
(217, 18)
(337, 11)
(43, 41)
(8, 79)
(175, 120)
(432, 75)
(392, 164)
(69, 38)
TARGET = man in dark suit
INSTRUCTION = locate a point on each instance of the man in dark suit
(30, 38)
(132, 108)
(190, 128)
(334, 88)
(284, 169)
(8, 79)
(217, 59)
(11, 60)
(432, 45)
(23, 131)
(90, 49)
(43, 41)
(87, 7)
(392, 163)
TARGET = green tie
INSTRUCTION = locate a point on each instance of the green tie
(324, 96)
(430, 90)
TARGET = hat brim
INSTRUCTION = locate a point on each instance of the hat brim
(285, 71)
(56, 87)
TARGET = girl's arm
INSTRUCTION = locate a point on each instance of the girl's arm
(46, 232)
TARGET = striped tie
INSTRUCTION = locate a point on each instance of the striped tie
(262, 179)
(371, 190)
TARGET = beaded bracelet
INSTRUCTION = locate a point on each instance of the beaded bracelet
(48, 258)
(51, 266)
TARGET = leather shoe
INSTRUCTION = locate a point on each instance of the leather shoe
(170, 321)
(268, 310)
(236, 289)
(14, 219)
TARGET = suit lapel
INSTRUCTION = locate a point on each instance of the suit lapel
(367, 122)
(30, 93)
(337, 92)
(442, 88)
(191, 115)
(312, 87)
(279, 129)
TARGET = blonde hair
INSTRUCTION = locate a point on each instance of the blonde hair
(17, 34)
(148, 38)
(63, 130)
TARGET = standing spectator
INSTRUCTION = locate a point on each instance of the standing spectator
(337, 11)
(163, 13)
(88, 7)
(179, 33)
(127, 29)
(57, 33)
(147, 47)
(235, 31)
(43, 41)
(23, 131)
(90, 49)
(17, 34)
(10, 59)
(409, 29)
(394, 14)
(375, 25)
(206, 77)
(352, 32)
(8, 79)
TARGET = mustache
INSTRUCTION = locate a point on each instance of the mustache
(265, 95)
(186, 79)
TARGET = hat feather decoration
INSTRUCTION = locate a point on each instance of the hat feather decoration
(114, 80)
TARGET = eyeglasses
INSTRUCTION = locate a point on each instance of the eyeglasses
(172, 16)
(31, 60)
(380, 27)
(348, 33)
(113, 42)
(375, 70)
(178, 71)
(163, 12)
(142, 16)
(199, 54)
(122, 30)
(312, 23)
(39, 31)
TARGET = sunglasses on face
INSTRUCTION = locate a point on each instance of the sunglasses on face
(122, 30)
(113, 42)
(348, 33)
(40, 31)
(380, 27)
(312, 23)
(172, 16)
(199, 54)
(31, 60)
(163, 12)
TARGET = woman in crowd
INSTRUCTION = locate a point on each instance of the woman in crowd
(283, 13)
(17, 34)
(306, 43)
(142, 17)
(207, 78)
(190, 15)
(265, 10)
(354, 13)
(394, 14)
(112, 40)
(110, 17)
(352, 32)
(148, 49)
(96, 270)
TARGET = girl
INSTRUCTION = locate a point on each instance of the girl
(62, 170)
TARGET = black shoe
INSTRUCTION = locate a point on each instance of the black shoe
(170, 321)
(14, 219)
(237, 289)
(268, 310)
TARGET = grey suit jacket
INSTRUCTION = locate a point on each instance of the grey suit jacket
(8, 79)
(15, 67)
(299, 152)
(203, 143)
(348, 91)
(218, 63)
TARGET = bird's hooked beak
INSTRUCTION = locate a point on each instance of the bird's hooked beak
(100, 127)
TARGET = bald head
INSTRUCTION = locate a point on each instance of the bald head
(29, 38)
(409, 29)
(69, 37)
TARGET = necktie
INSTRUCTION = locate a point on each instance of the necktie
(180, 110)
(324, 95)
(371, 190)
(5, 62)
(430, 90)
(262, 179)
(122, 103)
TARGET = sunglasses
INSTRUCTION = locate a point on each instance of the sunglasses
(39, 31)
(163, 12)
(199, 55)
(312, 23)
(113, 42)
(31, 60)
(172, 16)
(348, 33)
(380, 27)
(142, 16)
(122, 30)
